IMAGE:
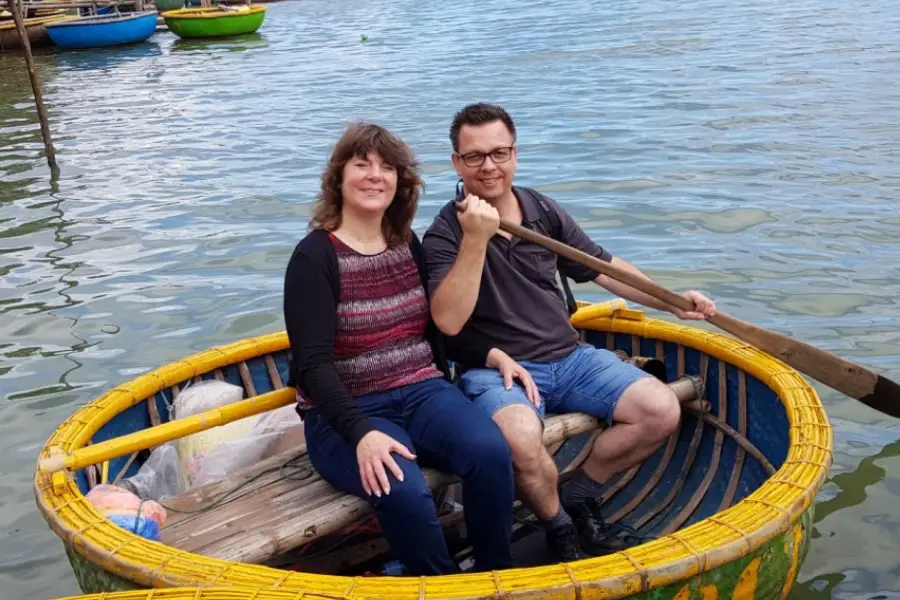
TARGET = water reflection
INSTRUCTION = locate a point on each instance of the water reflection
(746, 149)
(239, 43)
(108, 59)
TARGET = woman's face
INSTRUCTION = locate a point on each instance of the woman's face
(369, 184)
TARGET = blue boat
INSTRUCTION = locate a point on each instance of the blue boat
(103, 30)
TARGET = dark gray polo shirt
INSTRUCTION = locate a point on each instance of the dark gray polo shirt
(520, 307)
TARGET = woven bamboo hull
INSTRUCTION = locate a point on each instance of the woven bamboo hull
(767, 573)
(722, 523)
(191, 23)
(35, 28)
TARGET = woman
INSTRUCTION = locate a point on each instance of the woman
(369, 367)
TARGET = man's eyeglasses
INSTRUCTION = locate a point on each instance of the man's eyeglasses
(498, 155)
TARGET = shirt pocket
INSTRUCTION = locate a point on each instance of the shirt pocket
(537, 264)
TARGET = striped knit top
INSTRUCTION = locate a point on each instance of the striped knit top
(379, 342)
(359, 324)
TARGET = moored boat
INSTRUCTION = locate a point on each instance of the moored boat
(722, 509)
(35, 28)
(103, 30)
(217, 21)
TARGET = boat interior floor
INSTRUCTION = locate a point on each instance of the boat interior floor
(280, 505)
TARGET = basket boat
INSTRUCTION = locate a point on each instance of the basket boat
(724, 507)
(215, 21)
(100, 31)
(35, 28)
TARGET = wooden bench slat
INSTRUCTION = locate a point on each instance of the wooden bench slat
(272, 514)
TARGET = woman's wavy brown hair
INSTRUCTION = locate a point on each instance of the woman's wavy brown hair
(357, 141)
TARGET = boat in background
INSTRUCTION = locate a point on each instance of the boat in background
(35, 28)
(98, 31)
(166, 5)
(219, 21)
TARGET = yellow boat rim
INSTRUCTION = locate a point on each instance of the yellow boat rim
(193, 593)
(33, 21)
(210, 13)
(770, 511)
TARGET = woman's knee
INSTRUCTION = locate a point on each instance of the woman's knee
(411, 496)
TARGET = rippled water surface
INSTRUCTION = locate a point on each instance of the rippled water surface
(749, 149)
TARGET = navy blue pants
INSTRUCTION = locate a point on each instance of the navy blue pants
(446, 431)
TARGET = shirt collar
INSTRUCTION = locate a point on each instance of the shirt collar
(530, 209)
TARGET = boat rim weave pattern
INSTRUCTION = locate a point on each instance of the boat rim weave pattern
(36, 21)
(101, 20)
(209, 13)
(765, 514)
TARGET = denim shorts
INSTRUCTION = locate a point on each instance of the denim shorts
(589, 380)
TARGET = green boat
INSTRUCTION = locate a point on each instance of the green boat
(220, 21)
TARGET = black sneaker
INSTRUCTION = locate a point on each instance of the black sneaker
(594, 535)
(562, 544)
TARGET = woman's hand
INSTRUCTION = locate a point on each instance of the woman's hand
(373, 453)
(510, 369)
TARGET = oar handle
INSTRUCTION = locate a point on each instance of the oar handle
(636, 281)
(160, 434)
(856, 381)
(645, 285)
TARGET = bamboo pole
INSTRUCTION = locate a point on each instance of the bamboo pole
(16, 8)
(154, 436)
(75, 4)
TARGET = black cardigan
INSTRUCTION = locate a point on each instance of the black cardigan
(311, 294)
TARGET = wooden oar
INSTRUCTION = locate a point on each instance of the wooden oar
(160, 434)
(856, 381)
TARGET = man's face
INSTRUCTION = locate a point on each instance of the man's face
(486, 160)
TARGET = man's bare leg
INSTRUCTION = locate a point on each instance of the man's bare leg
(537, 478)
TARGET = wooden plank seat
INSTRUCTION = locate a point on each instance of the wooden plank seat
(278, 504)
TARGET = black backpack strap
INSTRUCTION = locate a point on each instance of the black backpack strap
(550, 219)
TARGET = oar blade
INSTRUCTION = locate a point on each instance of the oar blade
(885, 397)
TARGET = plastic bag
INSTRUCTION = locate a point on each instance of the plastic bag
(263, 440)
(142, 517)
(216, 453)
(159, 477)
(198, 398)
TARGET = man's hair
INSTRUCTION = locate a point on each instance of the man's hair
(479, 113)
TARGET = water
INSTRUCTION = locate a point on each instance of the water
(746, 149)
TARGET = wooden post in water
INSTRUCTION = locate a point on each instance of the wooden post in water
(17, 10)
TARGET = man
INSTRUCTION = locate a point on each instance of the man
(489, 287)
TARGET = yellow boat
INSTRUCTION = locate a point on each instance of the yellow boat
(722, 510)
(34, 27)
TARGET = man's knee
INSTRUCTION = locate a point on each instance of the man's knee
(653, 406)
(665, 416)
(523, 432)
